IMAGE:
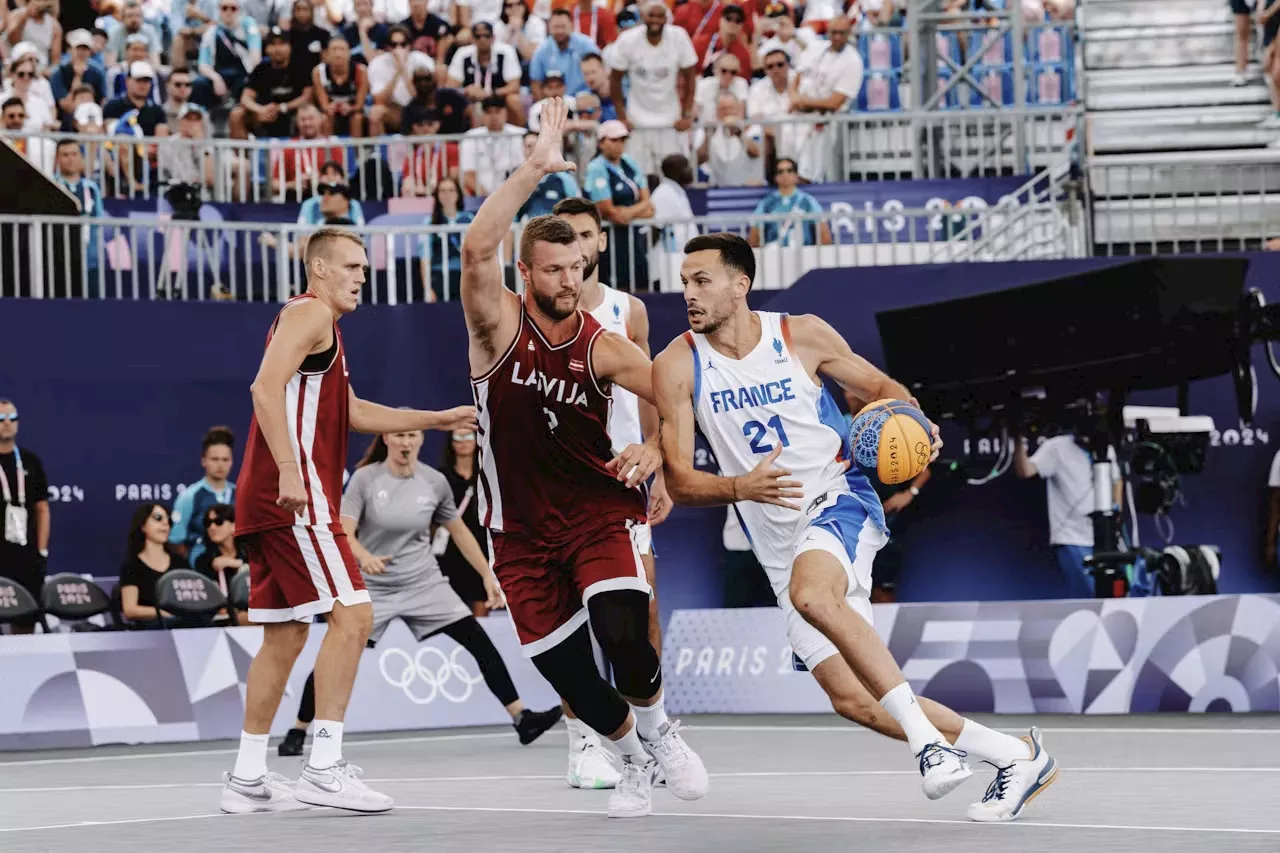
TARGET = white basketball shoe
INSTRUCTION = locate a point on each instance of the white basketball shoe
(634, 795)
(1016, 785)
(685, 774)
(269, 793)
(590, 765)
(943, 768)
(339, 787)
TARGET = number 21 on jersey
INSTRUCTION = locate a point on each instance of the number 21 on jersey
(757, 432)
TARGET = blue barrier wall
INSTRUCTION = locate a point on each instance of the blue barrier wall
(116, 395)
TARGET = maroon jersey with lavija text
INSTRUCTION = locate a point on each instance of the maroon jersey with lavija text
(544, 440)
(317, 401)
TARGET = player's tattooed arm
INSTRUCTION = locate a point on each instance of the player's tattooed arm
(673, 388)
(825, 352)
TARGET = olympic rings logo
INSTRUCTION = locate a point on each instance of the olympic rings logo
(433, 668)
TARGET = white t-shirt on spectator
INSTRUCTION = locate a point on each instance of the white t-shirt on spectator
(1067, 470)
(801, 42)
(38, 104)
(390, 11)
(824, 72)
(535, 111)
(383, 69)
(535, 30)
(820, 10)
(483, 10)
(492, 156)
(653, 72)
(503, 60)
(728, 163)
(707, 91)
(764, 101)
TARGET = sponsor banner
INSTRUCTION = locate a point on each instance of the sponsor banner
(1115, 656)
(85, 689)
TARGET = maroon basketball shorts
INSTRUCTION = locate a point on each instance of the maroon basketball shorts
(548, 586)
(297, 572)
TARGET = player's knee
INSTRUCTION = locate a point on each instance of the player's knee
(571, 670)
(620, 619)
(353, 621)
(815, 603)
(286, 639)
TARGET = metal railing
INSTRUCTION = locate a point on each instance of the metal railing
(914, 144)
(1210, 202)
(152, 258)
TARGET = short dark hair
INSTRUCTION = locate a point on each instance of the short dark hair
(63, 143)
(12, 102)
(402, 30)
(217, 435)
(780, 51)
(85, 89)
(576, 206)
(560, 10)
(494, 102)
(778, 163)
(597, 57)
(334, 166)
(546, 229)
(735, 253)
(675, 166)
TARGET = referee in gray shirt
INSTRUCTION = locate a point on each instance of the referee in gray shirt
(389, 510)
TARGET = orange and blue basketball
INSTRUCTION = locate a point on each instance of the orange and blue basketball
(891, 441)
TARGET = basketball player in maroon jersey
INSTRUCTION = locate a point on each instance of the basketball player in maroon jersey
(560, 506)
(287, 513)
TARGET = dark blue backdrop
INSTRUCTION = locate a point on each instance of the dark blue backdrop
(116, 395)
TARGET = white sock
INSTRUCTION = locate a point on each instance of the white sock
(630, 745)
(579, 732)
(251, 760)
(990, 745)
(650, 719)
(326, 744)
(901, 704)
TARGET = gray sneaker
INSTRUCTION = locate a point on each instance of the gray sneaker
(270, 793)
(339, 787)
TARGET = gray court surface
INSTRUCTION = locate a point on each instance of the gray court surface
(1155, 784)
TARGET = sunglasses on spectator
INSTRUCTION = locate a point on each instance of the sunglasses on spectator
(733, 19)
(772, 66)
(218, 518)
(230, 8)
(8, 417)
(25, 75)
(514, 5)
(180, 84)
(398, 43)
(786, 170)
(334, 189)
(727, 70)
(483, 35)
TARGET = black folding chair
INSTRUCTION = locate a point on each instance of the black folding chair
(18, 605)
(190, 596)
(239, 595)
(74, 600)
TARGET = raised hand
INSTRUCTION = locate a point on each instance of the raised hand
(459, 417)
(548, 151)
(764, 484)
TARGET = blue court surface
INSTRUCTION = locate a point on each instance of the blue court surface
(1155, 784)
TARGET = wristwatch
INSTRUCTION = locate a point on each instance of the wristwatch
(915, 493)
(44, 552)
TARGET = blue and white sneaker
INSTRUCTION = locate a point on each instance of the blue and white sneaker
(943, 768)
(1016, 785)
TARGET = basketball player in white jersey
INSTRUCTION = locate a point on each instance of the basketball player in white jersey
(752, 382)
(630, 420)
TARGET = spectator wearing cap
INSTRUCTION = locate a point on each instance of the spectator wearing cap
(135, 50)
(295, 170)
(77, 69)
(139, 96)
(70, 176)
(229, 52)
(366, 35)
(702, 18)
(138, 115)
(441, 252)
(189, 20)
(341, 87)
(661, 66)
(428, 32)
(36, 24)
(88, 121)
(595, 21)
(724, 80)
(730, 149)
(491, 152)
(23, 81)
(551, 190)
(553, 87)
(392, 80)
(332, 199)
(728, 38)
(827, 80)
(273, 93)
(306, 39)
(786, 199)
(596, 75)
(189, 158)
(620, 190)
(131, 23)
(428, 162)
(484, 70)
(564, 52)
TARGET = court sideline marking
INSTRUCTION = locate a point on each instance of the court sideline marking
(720, 816)
(848, 728)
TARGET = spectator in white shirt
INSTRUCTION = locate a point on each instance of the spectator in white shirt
(484, 69)
(769, 104)
(391, 81)
(730, 149)
(671, 203)
(37, 150)
(553, 87)
(24, 82)
(490, 153)
(519, 29)
(829, 78)
(472, 12)
(779, 33)
(661, 67)
(725, 80)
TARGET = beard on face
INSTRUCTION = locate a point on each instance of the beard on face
(711, 319)
(547, 305)
(589, 265)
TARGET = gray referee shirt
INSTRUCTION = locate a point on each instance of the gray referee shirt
(394, 517)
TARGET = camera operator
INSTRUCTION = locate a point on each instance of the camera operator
(187, 165)
(1066, 464)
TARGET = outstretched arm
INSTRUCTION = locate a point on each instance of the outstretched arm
(491, 310)
(673, 390)
(376, 418)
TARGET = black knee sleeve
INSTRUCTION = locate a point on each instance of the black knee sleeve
(620, 620)
(468, 634)
(570, 668)
(307, 707)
